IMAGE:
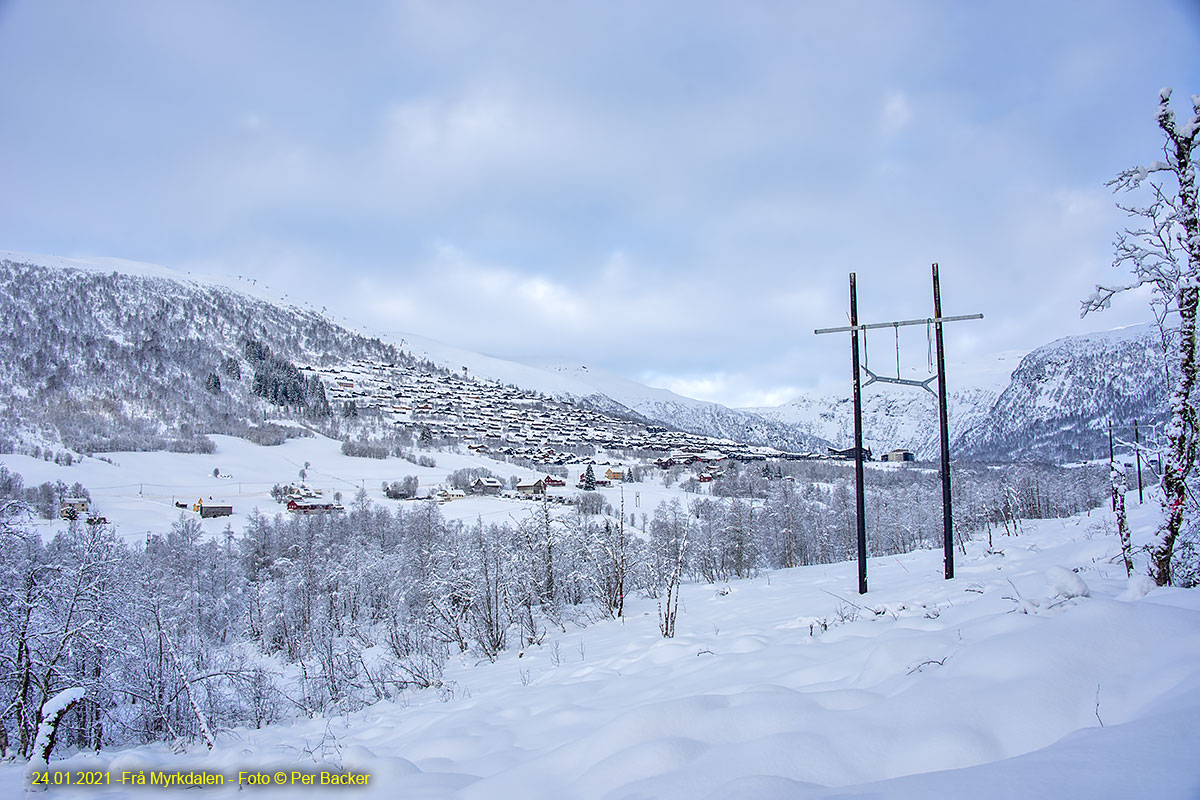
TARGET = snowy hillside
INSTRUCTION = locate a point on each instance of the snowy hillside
(616, 395)
(697, 416)
(103, 354)
(1063, 394)
(106, 355)
(902, 416)
(1041, 671)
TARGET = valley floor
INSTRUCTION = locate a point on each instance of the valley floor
(1007, 682)
(138, 491)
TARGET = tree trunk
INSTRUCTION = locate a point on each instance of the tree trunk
(50, 715)
(1118, 494)
(1181, 452)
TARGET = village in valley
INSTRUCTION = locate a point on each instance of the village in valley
(557, 401)
(502, 420)
(567, 445)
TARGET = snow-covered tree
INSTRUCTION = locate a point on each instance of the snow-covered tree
(1162, 251)
(669, 545)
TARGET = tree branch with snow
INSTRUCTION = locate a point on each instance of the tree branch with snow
(1163, 251)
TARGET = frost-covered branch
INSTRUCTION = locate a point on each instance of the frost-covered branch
(1164, 252)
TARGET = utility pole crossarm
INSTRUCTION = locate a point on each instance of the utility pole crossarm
(934, 327)
(900, 324)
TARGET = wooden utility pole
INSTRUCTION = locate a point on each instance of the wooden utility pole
(947, 515)
(1137, 449)
(1112, 467)
(859, 489)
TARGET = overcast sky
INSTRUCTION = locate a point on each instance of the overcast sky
(672, 191)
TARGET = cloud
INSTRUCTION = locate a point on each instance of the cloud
(896, 114)
(734, 391)
(459, 300)
(675, 191)
(479, 134)
(620, 317)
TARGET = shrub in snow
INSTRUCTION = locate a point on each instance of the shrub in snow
(1065, 583)
(1138, 587)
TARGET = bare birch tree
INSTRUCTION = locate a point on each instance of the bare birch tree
(1162, 250)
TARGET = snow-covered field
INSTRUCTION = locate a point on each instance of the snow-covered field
(1041, 671)
(137, 493)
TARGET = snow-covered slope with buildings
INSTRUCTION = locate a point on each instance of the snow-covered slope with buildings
(111, 351)
(101, 353)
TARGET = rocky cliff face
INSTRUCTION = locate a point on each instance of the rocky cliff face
(1062, 395)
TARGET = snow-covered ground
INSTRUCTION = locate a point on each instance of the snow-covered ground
(137, 492)
(1040, 671)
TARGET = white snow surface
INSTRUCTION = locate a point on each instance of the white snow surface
(791, 685)
(137, 492)
(124, 266)
(1065, 583)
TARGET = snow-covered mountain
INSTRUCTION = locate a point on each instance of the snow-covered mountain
(107, 354)
(1062, 396)
(902, 416)
(103, 353)
(1051, 404)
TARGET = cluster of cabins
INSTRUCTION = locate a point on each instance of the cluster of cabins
(491, 417)
(681, 458)
(529, 488)
(494, 486)
(300, 500)
(312, 507)
(899, 455)
(304, 500)
(73, 508)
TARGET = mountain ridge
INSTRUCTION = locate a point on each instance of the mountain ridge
(175, 329)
